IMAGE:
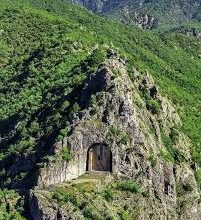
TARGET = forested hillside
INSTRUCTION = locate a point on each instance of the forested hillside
(48, 48)
(165, 12)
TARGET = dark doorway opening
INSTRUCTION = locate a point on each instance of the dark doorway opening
(99, 158)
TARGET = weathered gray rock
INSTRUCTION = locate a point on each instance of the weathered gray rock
(42, 208)
(194, 32)
(141, 20)
(134, 135)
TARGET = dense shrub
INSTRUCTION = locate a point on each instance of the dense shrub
(11, 205)
(153, 159)
(124, 215)
(171, 153)
(130, 186)
(108, 194)
(66, 154)
(166, 155)
(64, 197)
(198, 177)
(120, 135)
(91, 213)
(153, 105)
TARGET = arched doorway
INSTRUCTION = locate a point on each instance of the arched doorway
(99, 158)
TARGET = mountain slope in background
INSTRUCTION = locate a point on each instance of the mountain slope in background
(159, 12)
(51, 52)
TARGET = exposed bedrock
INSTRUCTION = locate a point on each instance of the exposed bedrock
(133, 130)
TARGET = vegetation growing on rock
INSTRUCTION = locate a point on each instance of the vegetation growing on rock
(49, 51)
(11, 205)
(92, 197)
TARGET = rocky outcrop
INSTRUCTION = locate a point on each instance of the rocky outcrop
(145, 21)
(42, 208)
(139, 19)
(141, 128)
(194, 32)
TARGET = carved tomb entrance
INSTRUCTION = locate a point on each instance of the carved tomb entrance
(99, 158)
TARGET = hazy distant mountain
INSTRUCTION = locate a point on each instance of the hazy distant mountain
(132, 11)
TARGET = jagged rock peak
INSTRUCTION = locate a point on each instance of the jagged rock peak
(131, 122)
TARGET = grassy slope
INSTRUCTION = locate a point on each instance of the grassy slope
(97, 196)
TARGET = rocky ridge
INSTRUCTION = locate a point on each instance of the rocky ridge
(142, 130)
(139, 19)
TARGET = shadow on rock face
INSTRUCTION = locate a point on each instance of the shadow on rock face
(95, 83)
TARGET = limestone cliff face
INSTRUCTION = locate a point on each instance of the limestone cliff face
(117, 113)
